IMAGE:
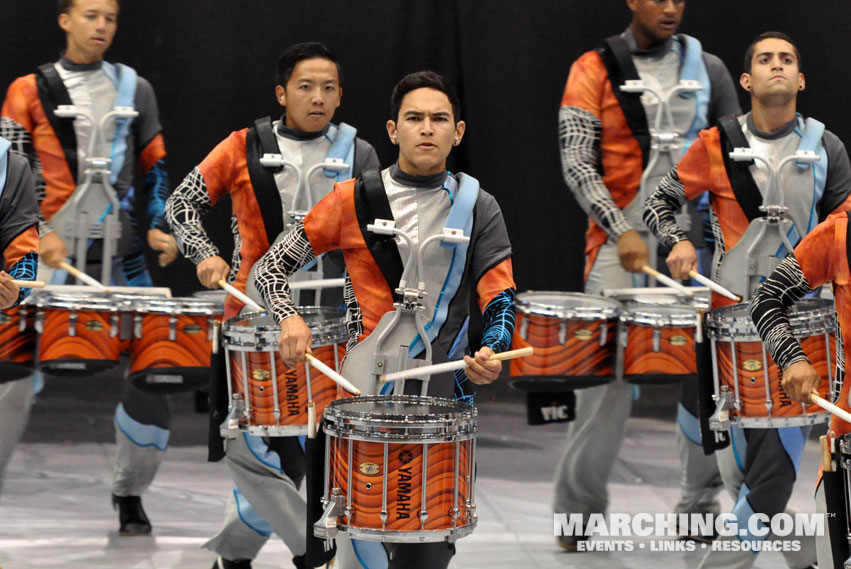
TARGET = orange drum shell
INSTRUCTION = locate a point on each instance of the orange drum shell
(580, 354)
(676, 356)
(752, 376)
(17, 348)
(404, 483)
(91, 346)
(190, 349)
(292, 386)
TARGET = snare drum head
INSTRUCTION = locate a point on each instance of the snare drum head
(573, 305)
(659, 314)
(657, 296)
(806, 317)
(180, 305)
(401, 408)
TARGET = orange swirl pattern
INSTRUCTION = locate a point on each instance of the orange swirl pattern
(91, 342)
(292, 385)
(17, 349)
(191, 347)
(676, 355)
(404, 483)
(580, 355)
(751, 372)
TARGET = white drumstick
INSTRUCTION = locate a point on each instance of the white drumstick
(344, 383)
(667, 280)
(28, 284)
(233, 291)
(76, 273)
(452, 366)
(828, 406)
(714, 286)
(311, 419)
(319, 283)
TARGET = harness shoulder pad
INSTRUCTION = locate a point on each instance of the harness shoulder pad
(692, 60)
(811, 139)
(342, 145)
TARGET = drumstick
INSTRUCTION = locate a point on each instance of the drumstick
(452, 366)
(828, 406)
(344, 383)
(714, 286)
(826, 459)
(317, 284)
(311, 419)
(233, 291)
(28, 284)
(75, 272)
(666, 280)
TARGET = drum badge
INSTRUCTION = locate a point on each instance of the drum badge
(752, 365)
(369, 468)
(94, 326)
(192, 329)
(583, 334)
(406, 456)
(678, 340)
(260, 374)
(5, 318)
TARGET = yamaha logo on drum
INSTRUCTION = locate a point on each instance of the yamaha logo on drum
(678, 340)
(192, 329)
(406, 456)
(94, 326)
(583, 334)
(752, 365)
(369, 468)
(260, 374)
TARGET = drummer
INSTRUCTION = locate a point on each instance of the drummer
(309, 88)
(19, 243)
(820, 258)
(417, 193)
(754, 466)
(609, 163)
(54, 147)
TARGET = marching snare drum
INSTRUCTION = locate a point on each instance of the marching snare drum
(78, 333)
(17, 341)
(399, 468)
(272, 398)
(573, 335)
(747, 381)
(172, 343)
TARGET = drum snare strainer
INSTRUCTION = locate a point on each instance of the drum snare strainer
(399, 469)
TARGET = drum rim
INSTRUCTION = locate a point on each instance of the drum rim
(185, 304)
(94, 301)
(643, 315)
(606, 308)
(741, 327)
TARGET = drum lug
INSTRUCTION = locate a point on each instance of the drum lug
(657, 339)
(137, 326)
(172, 328)
(215, 334)
(22, 314)
(72, 324)
(524, 329)
(604, 332)
(113, 325)
(211, 324)
(39, 322)
(326, 526)
(562, 331)
(720, 419)
(230, 426)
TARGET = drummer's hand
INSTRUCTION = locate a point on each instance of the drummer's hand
(632, 251)
(161, 241)
(481, 369)
(295, 340)
(211, 270)
(52, 250)
(799, 380)
(682, 259)
(9, 291)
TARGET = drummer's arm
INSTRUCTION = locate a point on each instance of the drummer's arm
(18, 228)
(496, 295)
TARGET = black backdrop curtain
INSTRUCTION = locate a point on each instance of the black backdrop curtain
(212, 64)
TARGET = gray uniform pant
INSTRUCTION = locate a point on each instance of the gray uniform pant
(595, 436)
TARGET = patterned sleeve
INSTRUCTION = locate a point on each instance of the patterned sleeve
(18, 223)
(498, 319)
(22, 145)
(658, 212)
(285, 257)
(183, 212)
(807, 268)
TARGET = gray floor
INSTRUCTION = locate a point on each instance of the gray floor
(55, 508)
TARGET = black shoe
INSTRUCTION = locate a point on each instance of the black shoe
(222, 563)
(298, 561)
(131, 515)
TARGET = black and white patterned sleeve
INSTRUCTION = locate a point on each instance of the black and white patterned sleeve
(183, 211)
(579, 136)
(768, 309)
(271, 272)
(660, 207)
(22, 145)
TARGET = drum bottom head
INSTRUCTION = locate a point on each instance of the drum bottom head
(657, 378)
(167, 380)
(70, 367)
(14, 371)
(558, 383)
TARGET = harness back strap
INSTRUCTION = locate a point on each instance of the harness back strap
(370, 204)
(52, 92)
(744, 188)
(620, 67)
(259, 140)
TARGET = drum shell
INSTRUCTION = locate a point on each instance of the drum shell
(658, 343)
(575, 345)
(17, 342)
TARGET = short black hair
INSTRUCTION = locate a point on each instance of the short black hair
(419, 80)
(64, 6)
(299, 52)
(769, 35)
